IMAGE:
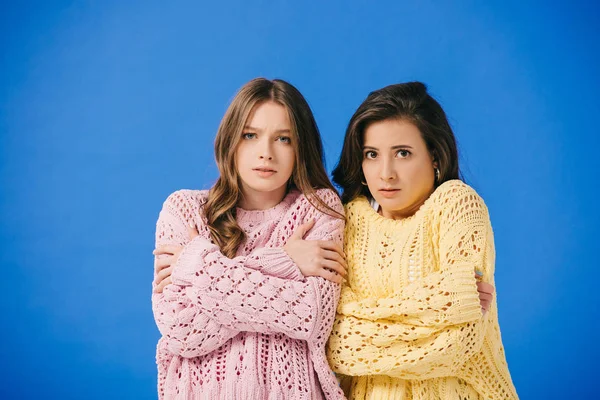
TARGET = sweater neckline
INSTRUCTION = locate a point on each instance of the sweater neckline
(373, 215)
(365, 206)
(243, 215)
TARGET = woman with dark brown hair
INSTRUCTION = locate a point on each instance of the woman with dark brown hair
(247, 273)
(416, 318)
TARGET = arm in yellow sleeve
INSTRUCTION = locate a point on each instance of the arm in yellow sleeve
(360, 347)
(448, 296)
(432, 326)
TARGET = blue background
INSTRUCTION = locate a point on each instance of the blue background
(107, 107)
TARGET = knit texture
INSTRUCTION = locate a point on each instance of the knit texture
(409, 323)
(251, 327)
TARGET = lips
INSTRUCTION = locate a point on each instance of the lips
(388, 192)
(264, 172)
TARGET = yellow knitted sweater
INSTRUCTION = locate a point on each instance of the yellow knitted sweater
(409, 322)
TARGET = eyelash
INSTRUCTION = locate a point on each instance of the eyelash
(283, 139)
(370, 152)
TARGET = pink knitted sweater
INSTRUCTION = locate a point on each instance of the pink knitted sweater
(251, 327)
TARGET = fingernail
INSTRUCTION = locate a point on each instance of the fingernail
(478, 272)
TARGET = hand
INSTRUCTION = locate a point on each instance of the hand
(322, 258)
(164, 259)
(486, 293)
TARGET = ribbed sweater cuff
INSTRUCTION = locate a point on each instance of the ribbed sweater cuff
(271, 261)
(466, 305)
(193, 253)
(277, 262)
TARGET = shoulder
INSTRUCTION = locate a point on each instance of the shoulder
(454, 199)
(358, 203)
(325, 196)
(357, 208)
(186, 201)
(455, 191)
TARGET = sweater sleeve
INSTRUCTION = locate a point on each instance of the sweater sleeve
(187, 330)
(360, 347)
(433, 326)
(246, 299)
(449, 295)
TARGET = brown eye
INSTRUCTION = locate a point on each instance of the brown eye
(370, 154)
(403, 153)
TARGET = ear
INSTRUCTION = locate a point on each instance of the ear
(434, 160)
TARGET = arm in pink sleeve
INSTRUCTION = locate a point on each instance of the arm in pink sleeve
(242, 298)
(186, 331)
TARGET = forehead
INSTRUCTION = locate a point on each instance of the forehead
(269, 115)
(392, 132)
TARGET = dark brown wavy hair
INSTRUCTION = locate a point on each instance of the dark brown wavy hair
(404, 101)
(309, 171)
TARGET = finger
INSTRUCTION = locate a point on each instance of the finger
(486, 305)
(160, 263)
(334, 266)
(335, 256)
(485, 287)
(302, 229)
(478, 275)
(159, 279)
(330, 275)
(166, 249)
(165, 273)
(192, 231)
(485, 297)
(332, 246)
(162, 285)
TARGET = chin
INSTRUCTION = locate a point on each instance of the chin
(265, 187)
(390, 204)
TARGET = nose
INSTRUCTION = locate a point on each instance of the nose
(265, 152)
(387, 172)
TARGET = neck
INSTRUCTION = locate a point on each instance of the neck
(255, 200)
(404, 213)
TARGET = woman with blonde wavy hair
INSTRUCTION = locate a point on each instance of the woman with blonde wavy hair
(416, 318)
(247, 274)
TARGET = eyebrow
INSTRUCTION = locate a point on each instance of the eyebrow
(250, 128)
(397, 147)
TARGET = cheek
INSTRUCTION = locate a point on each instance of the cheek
(243, 154)
(239, 153)
(368, 170)
(288, 158)
(422, 177)
(241, 162)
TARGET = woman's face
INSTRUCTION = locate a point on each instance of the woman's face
(265, 156)
(397, 166)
